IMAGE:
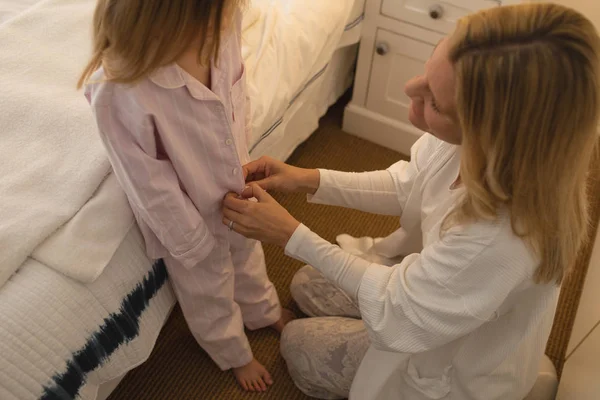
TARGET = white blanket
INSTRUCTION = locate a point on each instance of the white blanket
(81, 248)
(53, 161)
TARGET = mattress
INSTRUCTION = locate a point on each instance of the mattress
(286, 45)
(60, 339)
(328, 79)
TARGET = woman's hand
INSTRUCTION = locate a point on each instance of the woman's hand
(265, 220)
(271, 174)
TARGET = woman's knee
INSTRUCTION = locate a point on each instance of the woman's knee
(294, 352)
(301, 281)
(289, 340)
(323, 354)
(316, 296)
(298, 349)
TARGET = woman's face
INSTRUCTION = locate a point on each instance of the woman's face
(433, 104)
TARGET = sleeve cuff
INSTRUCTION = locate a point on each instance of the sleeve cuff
(294, 245)
(322, 194)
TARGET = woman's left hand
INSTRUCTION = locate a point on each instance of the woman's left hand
(265, 220)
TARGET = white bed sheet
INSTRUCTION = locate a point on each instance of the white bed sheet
(284, 47)
(353, 29)
(301, 118)
(357, 12)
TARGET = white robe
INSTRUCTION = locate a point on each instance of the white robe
(460, 317)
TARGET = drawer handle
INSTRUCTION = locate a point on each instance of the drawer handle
(382, 48)
(436, 11)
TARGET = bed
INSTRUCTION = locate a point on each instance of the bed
(81, 304)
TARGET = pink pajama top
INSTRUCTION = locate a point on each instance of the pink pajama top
(177, 149)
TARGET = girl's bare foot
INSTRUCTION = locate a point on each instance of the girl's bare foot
(286, 316)
(253, 377)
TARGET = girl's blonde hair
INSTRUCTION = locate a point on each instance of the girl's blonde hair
(132, 38)
(527, 100)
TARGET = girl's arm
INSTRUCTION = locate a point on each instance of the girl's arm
(152, 186)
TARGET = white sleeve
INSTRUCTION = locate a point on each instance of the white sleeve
(430, 299)
(372, 192)
(404, 173)
(378, 192)
(450, 289)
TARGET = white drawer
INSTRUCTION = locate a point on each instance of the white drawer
(398, 59)
(437, 15)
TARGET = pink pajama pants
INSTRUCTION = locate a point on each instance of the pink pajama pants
(226, 291)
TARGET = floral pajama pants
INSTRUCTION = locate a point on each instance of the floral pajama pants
(323, 353)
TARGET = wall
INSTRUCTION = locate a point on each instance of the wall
(590, 8)
(582, 367)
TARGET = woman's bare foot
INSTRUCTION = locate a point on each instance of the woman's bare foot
(253, 377)
(286, 316)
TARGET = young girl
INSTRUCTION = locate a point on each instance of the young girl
(493, 207)
(167, 86)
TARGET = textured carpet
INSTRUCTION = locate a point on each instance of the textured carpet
(179, 369)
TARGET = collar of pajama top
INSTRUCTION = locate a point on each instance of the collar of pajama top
(211, 119)
(174, 77)
(228, 86)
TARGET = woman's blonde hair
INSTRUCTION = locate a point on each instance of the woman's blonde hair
(132, 38)
(527, 100)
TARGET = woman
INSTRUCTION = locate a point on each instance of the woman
(493, 207)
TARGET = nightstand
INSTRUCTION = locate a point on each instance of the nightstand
(397, 39)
